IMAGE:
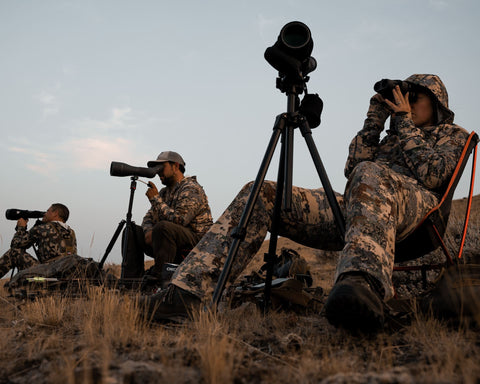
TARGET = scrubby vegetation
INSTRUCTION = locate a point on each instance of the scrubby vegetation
(101, 337)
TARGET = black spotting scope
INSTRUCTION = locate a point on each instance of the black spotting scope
(122, 169)
(15, 214)
(290, 55)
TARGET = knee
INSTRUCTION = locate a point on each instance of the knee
(366, 169)
(162, 228)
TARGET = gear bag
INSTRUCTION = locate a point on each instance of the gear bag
(66, 267)
(456, 294)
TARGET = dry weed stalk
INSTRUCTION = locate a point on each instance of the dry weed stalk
(219, 355)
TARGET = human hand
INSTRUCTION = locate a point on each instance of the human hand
(401, 103)
(152, 191)
(378, 112)
(22, 222)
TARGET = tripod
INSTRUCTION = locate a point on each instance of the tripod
(284, 127)
(128, 221)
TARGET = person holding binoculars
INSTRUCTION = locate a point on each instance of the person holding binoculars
(50, 238)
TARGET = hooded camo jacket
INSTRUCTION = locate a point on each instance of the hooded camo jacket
(427, 154)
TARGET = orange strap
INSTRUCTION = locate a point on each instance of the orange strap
(469, 204)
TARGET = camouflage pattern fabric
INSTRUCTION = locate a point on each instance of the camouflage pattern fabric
(16, 258)
(392, 184)
(310, 222)
(52, 240)
(186, 204)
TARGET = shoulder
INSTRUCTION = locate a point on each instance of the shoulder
(452, 134)
(190, 185)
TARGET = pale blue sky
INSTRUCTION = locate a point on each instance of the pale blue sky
(84, 83)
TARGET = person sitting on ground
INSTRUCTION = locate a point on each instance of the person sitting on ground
(178, 218)
(392, 183)
(51, 238)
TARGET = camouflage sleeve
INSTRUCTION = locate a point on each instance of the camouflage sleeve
(364, 145)
(433, 165)
(148, 220)
(186, 207)
(25, 239)
(21, 239)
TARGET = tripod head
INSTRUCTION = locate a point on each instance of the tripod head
(290, 55)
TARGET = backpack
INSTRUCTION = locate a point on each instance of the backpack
(455, 296)
(59, 270)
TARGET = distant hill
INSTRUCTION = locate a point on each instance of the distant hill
(459, 206)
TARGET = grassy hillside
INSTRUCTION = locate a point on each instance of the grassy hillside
(100, 337)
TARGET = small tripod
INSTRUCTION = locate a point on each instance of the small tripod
(128, 221)
(284, 127)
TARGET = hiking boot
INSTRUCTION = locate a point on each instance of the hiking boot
(171, 304)
(355, 304)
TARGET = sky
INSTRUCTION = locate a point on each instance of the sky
(85, 83)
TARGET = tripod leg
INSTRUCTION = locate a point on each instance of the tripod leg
(112, 243)
(337, 213)
(238, 232)
(282, 178)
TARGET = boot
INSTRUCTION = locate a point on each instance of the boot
(171, 304)
(356, 304)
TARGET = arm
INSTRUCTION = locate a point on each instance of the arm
(186, 206)
(432, 164)
(23, 238)
(364, 145)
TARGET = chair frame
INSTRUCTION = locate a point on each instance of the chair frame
(434, 223)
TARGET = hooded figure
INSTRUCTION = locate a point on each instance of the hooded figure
(392, 183)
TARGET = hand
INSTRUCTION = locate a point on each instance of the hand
(148, 238)
(401, 102)
(378, 113)
(22, 222)
(152, 191)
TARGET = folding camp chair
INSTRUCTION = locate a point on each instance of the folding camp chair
(429, 233)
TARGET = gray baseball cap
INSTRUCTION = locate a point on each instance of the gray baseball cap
(167, 156)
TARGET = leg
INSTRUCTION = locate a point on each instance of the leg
(310, 222)
(167, 240)
(381, 207)
(15, 258)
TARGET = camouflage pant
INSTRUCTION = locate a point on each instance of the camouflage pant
(15, 258)
(379, 205)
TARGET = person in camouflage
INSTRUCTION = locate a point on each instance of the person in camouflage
(179, 216)
(51, 238)
(392, 183)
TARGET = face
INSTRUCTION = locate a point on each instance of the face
(422, 111)
(167, 174)
(50, 215)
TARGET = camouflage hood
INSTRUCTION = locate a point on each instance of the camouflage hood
(436, 88)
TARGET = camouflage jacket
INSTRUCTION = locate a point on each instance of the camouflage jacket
(185, 204)
(51, 240)
(427, 154)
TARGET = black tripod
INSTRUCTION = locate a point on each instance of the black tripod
(128, 221)
(284, 127)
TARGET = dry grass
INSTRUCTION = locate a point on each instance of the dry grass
(101, 337)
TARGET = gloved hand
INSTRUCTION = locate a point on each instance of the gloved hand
(378, 113)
